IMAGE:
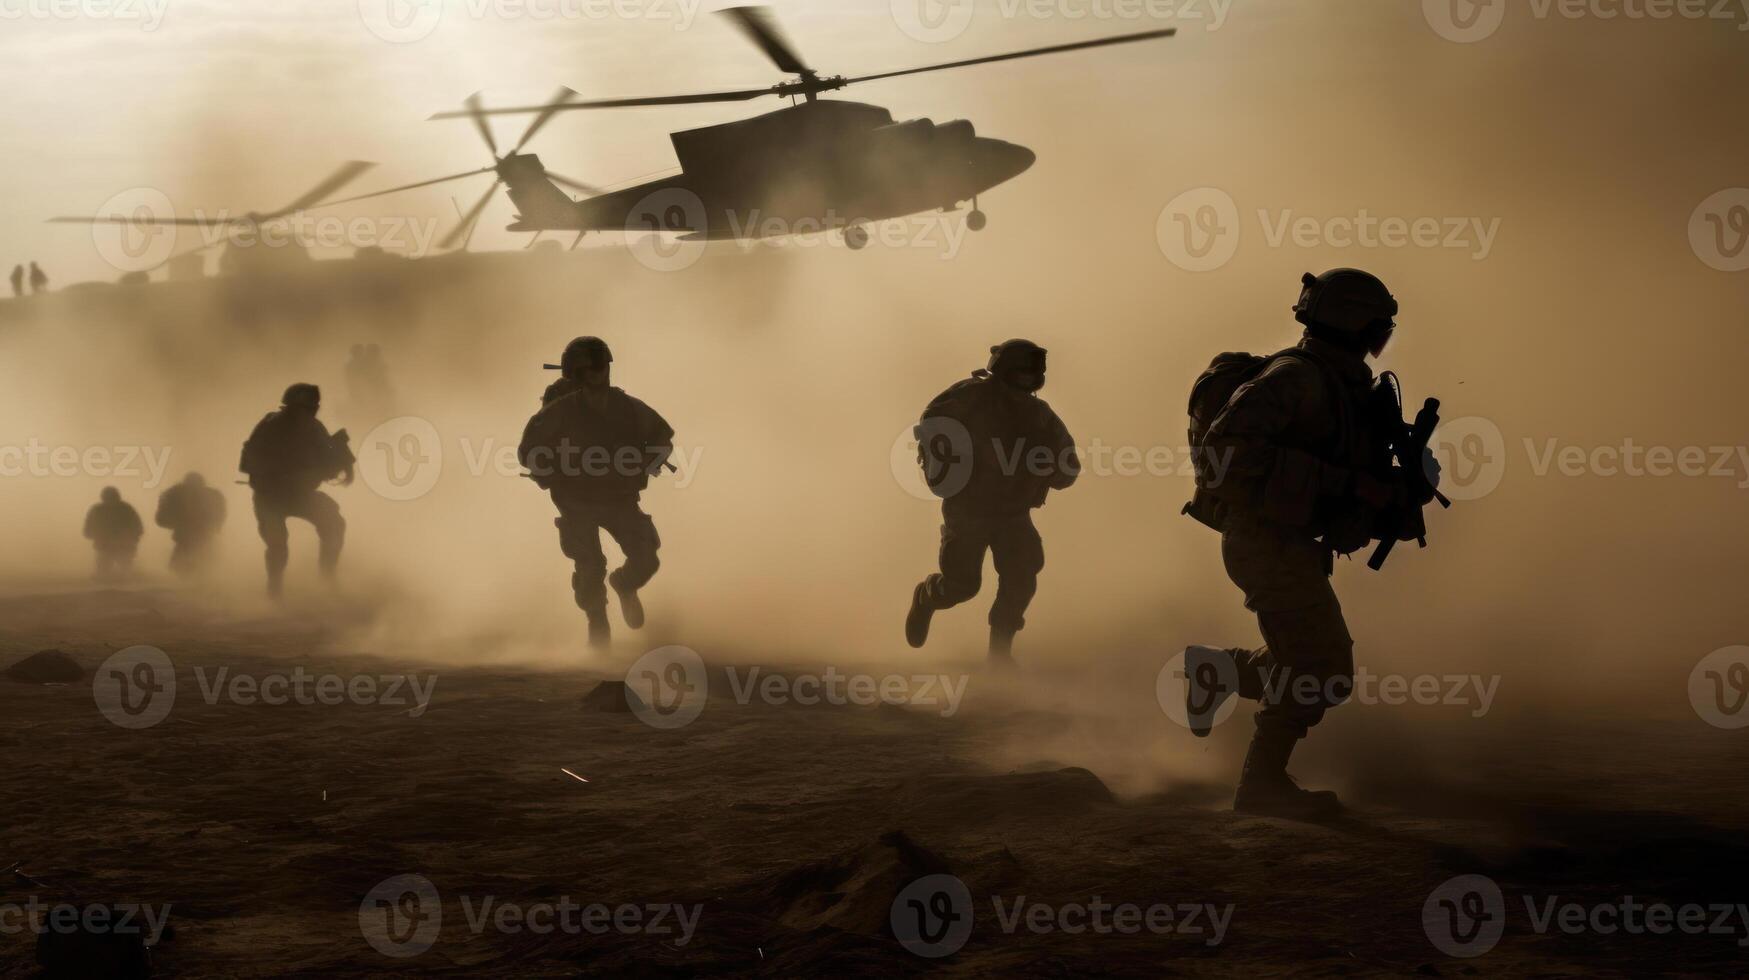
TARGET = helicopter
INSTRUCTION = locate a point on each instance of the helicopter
(816, 164)
(245, 227)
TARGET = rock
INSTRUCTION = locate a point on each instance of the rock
(612, 697)
(46, 667)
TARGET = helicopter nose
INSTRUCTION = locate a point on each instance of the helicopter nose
(1005, 161)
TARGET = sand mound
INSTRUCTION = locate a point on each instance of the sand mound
(46, 667)
(853, 892)
(612, 697)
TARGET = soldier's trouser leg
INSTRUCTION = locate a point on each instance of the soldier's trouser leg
(322, 512)
(580, 540)
(270, 521)
(963, 543)
(1307, 664)
(635, 533)
(1019, 556)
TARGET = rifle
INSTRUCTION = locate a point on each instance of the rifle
(1409, 446)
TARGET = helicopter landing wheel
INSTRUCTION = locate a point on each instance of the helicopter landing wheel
(977, 220)
(856, 236)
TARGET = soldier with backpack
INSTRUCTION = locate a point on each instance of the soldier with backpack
(992, 450)
(594, 448)
(1292, 467)
(287, 458)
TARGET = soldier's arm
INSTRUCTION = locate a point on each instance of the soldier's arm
(91, 523)
(536, 451)
(1282, 483)
(658, 440)
(166, 500)
(1068, 461)
(134, 527)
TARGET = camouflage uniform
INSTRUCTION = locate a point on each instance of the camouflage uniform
(596, 460)
(287, 458)
(1019, 451)
(1291, 441)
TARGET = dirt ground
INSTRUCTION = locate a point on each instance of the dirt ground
(790, 831)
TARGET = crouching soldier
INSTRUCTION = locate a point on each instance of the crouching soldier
(992, 450)
(594, 448)
(113, 527)
(193, 513)
(287, 459)
(1287, 452)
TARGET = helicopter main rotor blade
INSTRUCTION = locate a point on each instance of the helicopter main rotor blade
(409, 187)
(474, 112)
(562, 96)
(740, 96)
(1030, 53)
(347, 173)
(465, 230)
(758, 25)
(589, 189)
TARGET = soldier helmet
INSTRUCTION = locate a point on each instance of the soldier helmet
(1348, 301)
(582, 354)
(303, 395)
(194, 479)
(110, 495)
(1018, 355)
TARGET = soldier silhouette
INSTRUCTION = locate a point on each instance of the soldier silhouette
(39, 280)
(287, 458)
(18, 280)
(193, 513)
(594, 448)
(114, 529)
(1287, 450)
(992, 450)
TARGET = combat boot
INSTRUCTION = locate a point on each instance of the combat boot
(917, 621)
(1266, 790)
(630, 606)
(1001, 647)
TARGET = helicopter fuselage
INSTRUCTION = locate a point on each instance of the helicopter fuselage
(807, 167)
